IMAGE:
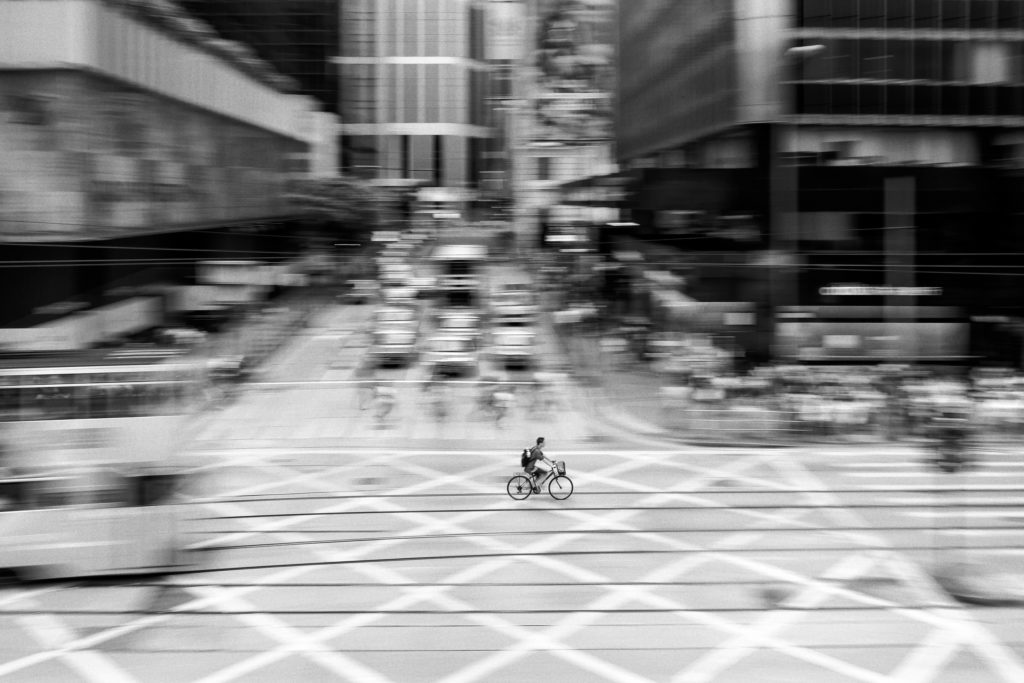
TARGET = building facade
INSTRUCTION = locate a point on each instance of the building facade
(841, 163)
(413, 78)
(137, 135)
(567, 86)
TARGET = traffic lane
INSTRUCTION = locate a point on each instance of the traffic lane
(468, 532)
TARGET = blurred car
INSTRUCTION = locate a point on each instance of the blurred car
(514, 300)
(424, 286)
(450, 354)
(400, 296)
(513, 347)
(394, 345)
(396, 273)
(460, 322)
(361, 292)
(511, 318)
(400, 316)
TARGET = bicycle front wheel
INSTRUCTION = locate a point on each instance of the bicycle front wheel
(560, 487)
(519, 487)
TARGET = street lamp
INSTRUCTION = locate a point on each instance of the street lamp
(785, 190)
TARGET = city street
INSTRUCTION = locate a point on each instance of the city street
(326, 546)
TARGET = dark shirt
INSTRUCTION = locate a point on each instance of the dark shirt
(536, 453)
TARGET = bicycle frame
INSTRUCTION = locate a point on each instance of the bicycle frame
(545, 479)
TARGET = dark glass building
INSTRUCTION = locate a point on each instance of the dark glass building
(857, 162)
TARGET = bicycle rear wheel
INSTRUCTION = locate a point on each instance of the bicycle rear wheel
(519, 487)
(560, 487)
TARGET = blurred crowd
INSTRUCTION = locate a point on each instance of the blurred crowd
(695, 383)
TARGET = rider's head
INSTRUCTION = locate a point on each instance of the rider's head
(540, 440)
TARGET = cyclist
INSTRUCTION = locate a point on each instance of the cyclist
(536, 462)
(384, 400)
(503, 399)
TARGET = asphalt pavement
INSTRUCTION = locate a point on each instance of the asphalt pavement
(327, 544)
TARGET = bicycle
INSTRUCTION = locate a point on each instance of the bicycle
(521, 485)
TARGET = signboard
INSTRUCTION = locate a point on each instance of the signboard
(574, 75)
(505, 20)
(874, 290)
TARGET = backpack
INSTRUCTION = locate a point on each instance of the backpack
(524, 459)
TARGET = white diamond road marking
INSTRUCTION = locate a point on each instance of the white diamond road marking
(528, 642)
(91, 665)
(985, 644)
(757, 637)
(964, 631)
(816, 656)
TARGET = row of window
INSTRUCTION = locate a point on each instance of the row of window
(411, 93)
(110, 489)
(919, 14)
(91, 401)
(930, 60)
(839, 99)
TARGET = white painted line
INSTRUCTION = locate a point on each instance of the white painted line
(1014, 502)
(960, 514)
(980, 532)
(917, 465)
(90, 665)
(942, 487)
(925, 473)
(711, 665)
(512, 451)
(927, 660)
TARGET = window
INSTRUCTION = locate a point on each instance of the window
(900, 13)
(872, 13)
(927, 60)
(12, 495)
(875, 59)
(438, 160)
(926, 14)
(844, 13)
(544, 168)
(983, 14)
(816, 13)
(1010, 14)
(153, 489)
(954, 14)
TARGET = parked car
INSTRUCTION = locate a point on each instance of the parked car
(360, 292)
(395, 345)
(450, 354)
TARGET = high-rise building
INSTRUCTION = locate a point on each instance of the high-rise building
(410, 80)
(130, 145)
(567, 84)
(852, 164)
(413, 81)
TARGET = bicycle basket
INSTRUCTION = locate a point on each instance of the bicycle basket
(560, 466)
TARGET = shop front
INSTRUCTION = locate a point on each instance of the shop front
(867, 334)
